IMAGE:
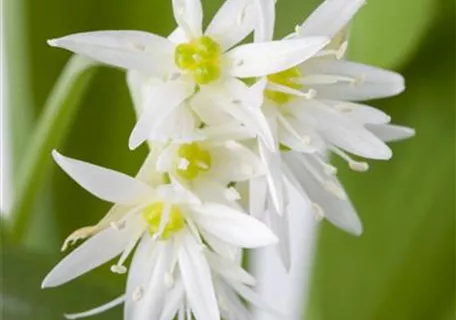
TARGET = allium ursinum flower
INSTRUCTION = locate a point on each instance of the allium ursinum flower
(310, 111)
(191, 60)
(173, 228)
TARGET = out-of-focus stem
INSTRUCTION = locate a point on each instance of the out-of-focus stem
(50, 131)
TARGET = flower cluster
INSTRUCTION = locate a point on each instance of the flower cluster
(236, 133)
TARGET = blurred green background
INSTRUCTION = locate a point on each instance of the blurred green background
(401, 268)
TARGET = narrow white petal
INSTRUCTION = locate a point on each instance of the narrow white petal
(162, 101)
(197, 280)
(177, 36)
(279, 225)
(228, 269)
(222, 248)
(106, 184)
(273, 176)
(338, 211)
(97, 250)
(233, 226)
(137, 84)
(138, 276)
(228, 131)
(260, 59)
(189, 17)
(258, 191)
(174, 301)
(330, 17)
(154, 297)
(132, 50)
(234, 162)
(391, 132)
(264, 28)
(366, 83)
(232, 23)
(97, 310)
(244, 104)
(361, 113)
(346, 133)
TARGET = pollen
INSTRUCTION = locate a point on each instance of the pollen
(153, 215)
(201, 58)
(285, 78)
(197, 160)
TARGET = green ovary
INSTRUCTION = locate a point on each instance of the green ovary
(201, 58)
(195, 159)
(153, 214)
(285, 78)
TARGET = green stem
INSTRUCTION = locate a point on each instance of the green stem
(51, 130)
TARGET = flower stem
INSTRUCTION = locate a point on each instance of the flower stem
(51, 130)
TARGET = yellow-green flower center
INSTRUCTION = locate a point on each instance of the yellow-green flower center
(192, 160)
(287, 78)
(201, 58)
(153, 214)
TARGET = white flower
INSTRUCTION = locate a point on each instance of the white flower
(310, 113)
(191, 59)
(170, 224)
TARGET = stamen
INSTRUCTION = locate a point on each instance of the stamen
(118, 225)
(202, 165)
(183, 164)
(317, 211)
(329, 170)
(360, 80)
(335, 190)
(359, 166)
(119, 269)
(342, 50)
(310, 94)
(232, 194)
(138, 294)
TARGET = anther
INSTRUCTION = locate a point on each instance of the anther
(202, 165)
(183, 164)
(118, 225)
(318, 211)
(358, 166)
(360, 80)
(138, 294)
(232, 194)
(119, 269)
(342, 50)
(310, 94)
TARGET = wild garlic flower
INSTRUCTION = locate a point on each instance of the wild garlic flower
(173, 227)
(312, 110)
(191, 60)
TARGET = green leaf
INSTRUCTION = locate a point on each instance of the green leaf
(402, 267)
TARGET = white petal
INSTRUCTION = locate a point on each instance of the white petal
(338, 211)
(220, 247)
(264, 29)
(174, 301)
(391, 132)
(227, 131)
(367, 82)
(279, 225)
(233, 226)
(260, 59)
(234, 162)
(273, 175)
(132, 50)
(97, 250)
(244, 104)
(228, 269)
(162, 101)
(197, 280)
(346, 133)
(137, 84)
(106, 184)
(232, 23)
(97, 310)
(189, 17)
(177, 36)
(360, 113)
(152, 302)
(330, 17)
(258, 191)
(298, 136)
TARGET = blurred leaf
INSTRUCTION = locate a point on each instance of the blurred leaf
(387, 33)
(402, 267)
(21, 296)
